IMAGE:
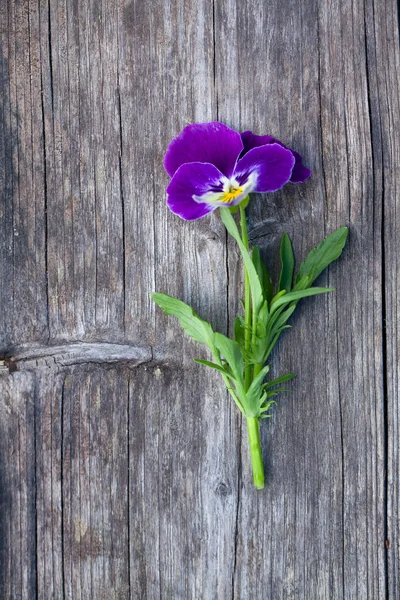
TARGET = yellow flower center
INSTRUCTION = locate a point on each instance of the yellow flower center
(233, 193)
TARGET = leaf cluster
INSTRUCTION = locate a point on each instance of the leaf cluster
(271, 310)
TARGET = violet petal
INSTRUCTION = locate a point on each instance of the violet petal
(250, 140)
(213, 143)
(193, 179)
(300, 173)
(270, 166)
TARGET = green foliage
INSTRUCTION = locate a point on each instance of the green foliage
(263, 275)
(323, 255)
(199, 330)
(270, 317)
(255, 285)
(295, 296)
(287, 261)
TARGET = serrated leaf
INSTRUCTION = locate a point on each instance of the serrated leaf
(199, 330)
(323, 255)
(262, 273)
(287, 261)
(255, 285)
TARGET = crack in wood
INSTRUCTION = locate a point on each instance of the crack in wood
(77, 353)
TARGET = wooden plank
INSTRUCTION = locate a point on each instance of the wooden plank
(18, 567)
(22, 212)
(317, 531)
(182, 508)
(82, 483)
(83, 193)
(183, 484)
(383, 34)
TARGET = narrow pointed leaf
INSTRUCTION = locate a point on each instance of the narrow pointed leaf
(301, 284)
(279, 318)
(279, 380)
(291, 296)
(262, 273)
(212, 365)
(287, 260)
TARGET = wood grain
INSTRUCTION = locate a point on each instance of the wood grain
(124, 470)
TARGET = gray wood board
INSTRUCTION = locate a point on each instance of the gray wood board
(124, 468)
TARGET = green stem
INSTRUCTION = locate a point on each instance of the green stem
(247, 302)
(255, 452)
(257, 369)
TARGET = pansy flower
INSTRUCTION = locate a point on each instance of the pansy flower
(212, 165)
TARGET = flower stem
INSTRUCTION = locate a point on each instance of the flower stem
(257, 369)
(255, 452)
(247, 301)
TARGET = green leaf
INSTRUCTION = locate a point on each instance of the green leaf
(279, 380)
(279, 317)
(266, 406)
(254, 393)
(323, 255)
(199, 330)
(287, 260)
(268, 403)
(255, 285)
(261, 338)
(277, 296)
(284, 316)
(239, 331)
(271, 345)
(294, 296)
(301, 284)
(231, 352)
(262, 273)
(277, 391)
(212, 365)
(256, 384)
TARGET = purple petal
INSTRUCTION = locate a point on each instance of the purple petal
(270, 165)
(250, 140)
(193, 179)
(300, 173)
(212, 143)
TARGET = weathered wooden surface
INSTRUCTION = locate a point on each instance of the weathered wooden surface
(124, 470)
